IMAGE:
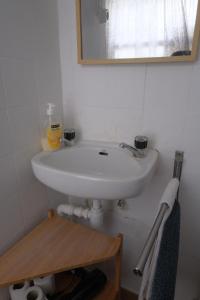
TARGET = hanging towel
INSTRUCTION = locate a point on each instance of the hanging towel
(163, 259)
(164, 282)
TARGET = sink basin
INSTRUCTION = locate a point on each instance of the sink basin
(95, 170)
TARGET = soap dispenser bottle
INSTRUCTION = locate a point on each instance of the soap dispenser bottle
(52, 132)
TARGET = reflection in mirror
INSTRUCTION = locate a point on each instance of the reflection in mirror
(123, 29)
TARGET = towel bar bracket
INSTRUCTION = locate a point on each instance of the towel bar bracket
(178, 162)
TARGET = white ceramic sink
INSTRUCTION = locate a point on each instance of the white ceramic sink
(95, 170)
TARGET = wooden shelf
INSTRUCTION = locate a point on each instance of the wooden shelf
(57, 245)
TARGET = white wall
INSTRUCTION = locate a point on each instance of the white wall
(158, 100)
(29, 77)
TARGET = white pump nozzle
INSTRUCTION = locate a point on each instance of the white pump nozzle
(50, 109)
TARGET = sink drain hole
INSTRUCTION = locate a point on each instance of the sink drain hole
(103, 153)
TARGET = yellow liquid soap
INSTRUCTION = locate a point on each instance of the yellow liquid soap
(54, 134)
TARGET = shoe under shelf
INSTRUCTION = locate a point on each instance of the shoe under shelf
(66, 281)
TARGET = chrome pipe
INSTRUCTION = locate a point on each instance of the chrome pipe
(150, 241)
(178, 162)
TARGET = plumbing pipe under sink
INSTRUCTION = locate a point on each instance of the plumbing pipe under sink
(94, 214)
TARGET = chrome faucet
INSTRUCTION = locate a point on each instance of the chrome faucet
(136, 152)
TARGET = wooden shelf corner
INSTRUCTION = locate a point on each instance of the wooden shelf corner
(58, 245)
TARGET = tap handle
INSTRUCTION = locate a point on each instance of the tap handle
(69, 134)
(141, 142)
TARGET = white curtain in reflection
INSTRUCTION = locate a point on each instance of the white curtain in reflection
(149, 28)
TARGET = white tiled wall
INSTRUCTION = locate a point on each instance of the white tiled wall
(29, 77)
(159, 100)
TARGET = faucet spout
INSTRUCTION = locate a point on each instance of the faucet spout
(136, 152)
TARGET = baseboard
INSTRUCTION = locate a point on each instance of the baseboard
(127, 295)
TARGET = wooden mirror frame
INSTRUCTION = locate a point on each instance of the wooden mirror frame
(186, 58)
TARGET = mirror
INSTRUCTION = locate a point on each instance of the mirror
(140, 31)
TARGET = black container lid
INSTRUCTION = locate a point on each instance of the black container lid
(141, 142)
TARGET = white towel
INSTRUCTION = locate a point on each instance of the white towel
(170, 193)
(168, 197)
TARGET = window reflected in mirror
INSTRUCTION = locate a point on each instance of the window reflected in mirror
(124, 29)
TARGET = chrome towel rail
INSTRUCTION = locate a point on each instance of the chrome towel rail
(178, 162)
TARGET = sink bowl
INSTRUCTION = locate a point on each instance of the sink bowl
(95, 170)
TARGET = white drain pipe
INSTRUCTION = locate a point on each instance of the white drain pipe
(94, 214)
(72, 210)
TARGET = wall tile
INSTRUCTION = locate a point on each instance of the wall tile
(11, 222)
(19, 82)
(48, 79)
(100, 88)
(34, 204)
(5, 137)
(167, 87)
(129, 261)
(2, 92)
(134, 236)
(193, 99)
(107, 124)
(190, 187)
(165, 128)
(24, 170)
(8, 178)
(56, 198)
(190, 138)
(24, 124)
(19, 38)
